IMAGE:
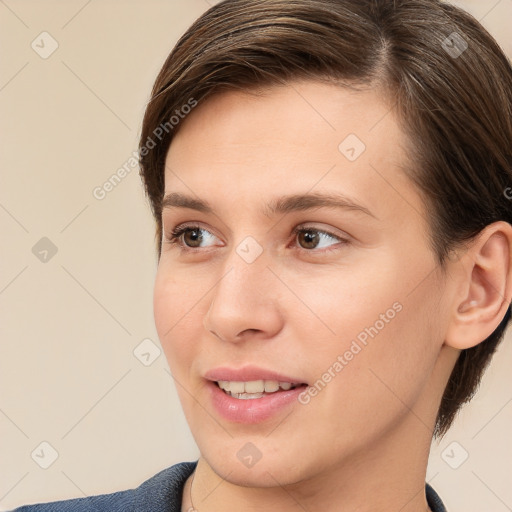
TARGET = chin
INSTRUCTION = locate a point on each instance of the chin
(254, 462)
(262, 475)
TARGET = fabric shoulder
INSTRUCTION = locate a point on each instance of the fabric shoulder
(433, 500)
(160, 493)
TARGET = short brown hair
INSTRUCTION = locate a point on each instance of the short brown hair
(446, 76)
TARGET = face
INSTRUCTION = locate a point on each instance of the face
(296, 274)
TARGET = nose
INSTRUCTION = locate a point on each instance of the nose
(245, 301)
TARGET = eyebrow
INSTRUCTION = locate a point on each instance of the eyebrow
(279, 205)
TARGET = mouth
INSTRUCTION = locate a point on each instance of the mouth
(254, 389)
(251, 394)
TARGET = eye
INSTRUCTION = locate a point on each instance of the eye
(310, 238)
(190, 237)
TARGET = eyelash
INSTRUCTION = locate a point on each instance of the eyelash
(176, 234)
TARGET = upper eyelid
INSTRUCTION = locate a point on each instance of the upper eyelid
(192, 225)
(300, 227)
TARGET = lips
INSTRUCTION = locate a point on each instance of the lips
(248, 373)
(251, 394)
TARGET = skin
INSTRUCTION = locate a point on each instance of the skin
(362, 443)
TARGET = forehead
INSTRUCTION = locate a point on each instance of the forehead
(305, 136)
(310, 111)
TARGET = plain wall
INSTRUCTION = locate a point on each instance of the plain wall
(69, 325)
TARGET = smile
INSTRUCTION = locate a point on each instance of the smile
(251, 394)
(254, 389)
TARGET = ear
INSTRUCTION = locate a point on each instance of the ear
(485, 280)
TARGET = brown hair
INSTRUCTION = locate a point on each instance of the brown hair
(454, 101)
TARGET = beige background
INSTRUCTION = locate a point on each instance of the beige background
(69, 326)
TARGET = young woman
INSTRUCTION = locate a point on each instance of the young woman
(331, 185)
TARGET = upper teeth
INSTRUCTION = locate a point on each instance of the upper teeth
(254, 386)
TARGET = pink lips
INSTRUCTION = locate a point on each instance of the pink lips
(248, 373)
(252, 410)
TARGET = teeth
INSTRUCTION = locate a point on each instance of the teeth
(271, 386)
(223, 384)
(253, 388)
(237, 387)
(248, 396)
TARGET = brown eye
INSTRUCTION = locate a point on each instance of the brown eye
(308, 239)
(312, 238)
(192, 237)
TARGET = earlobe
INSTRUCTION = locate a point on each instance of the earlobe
(486, 281)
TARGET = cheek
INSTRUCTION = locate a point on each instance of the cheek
(365, 388)
(341, 302)
(175, 312)
(388, 356)
(164, 307)
(373, 328)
